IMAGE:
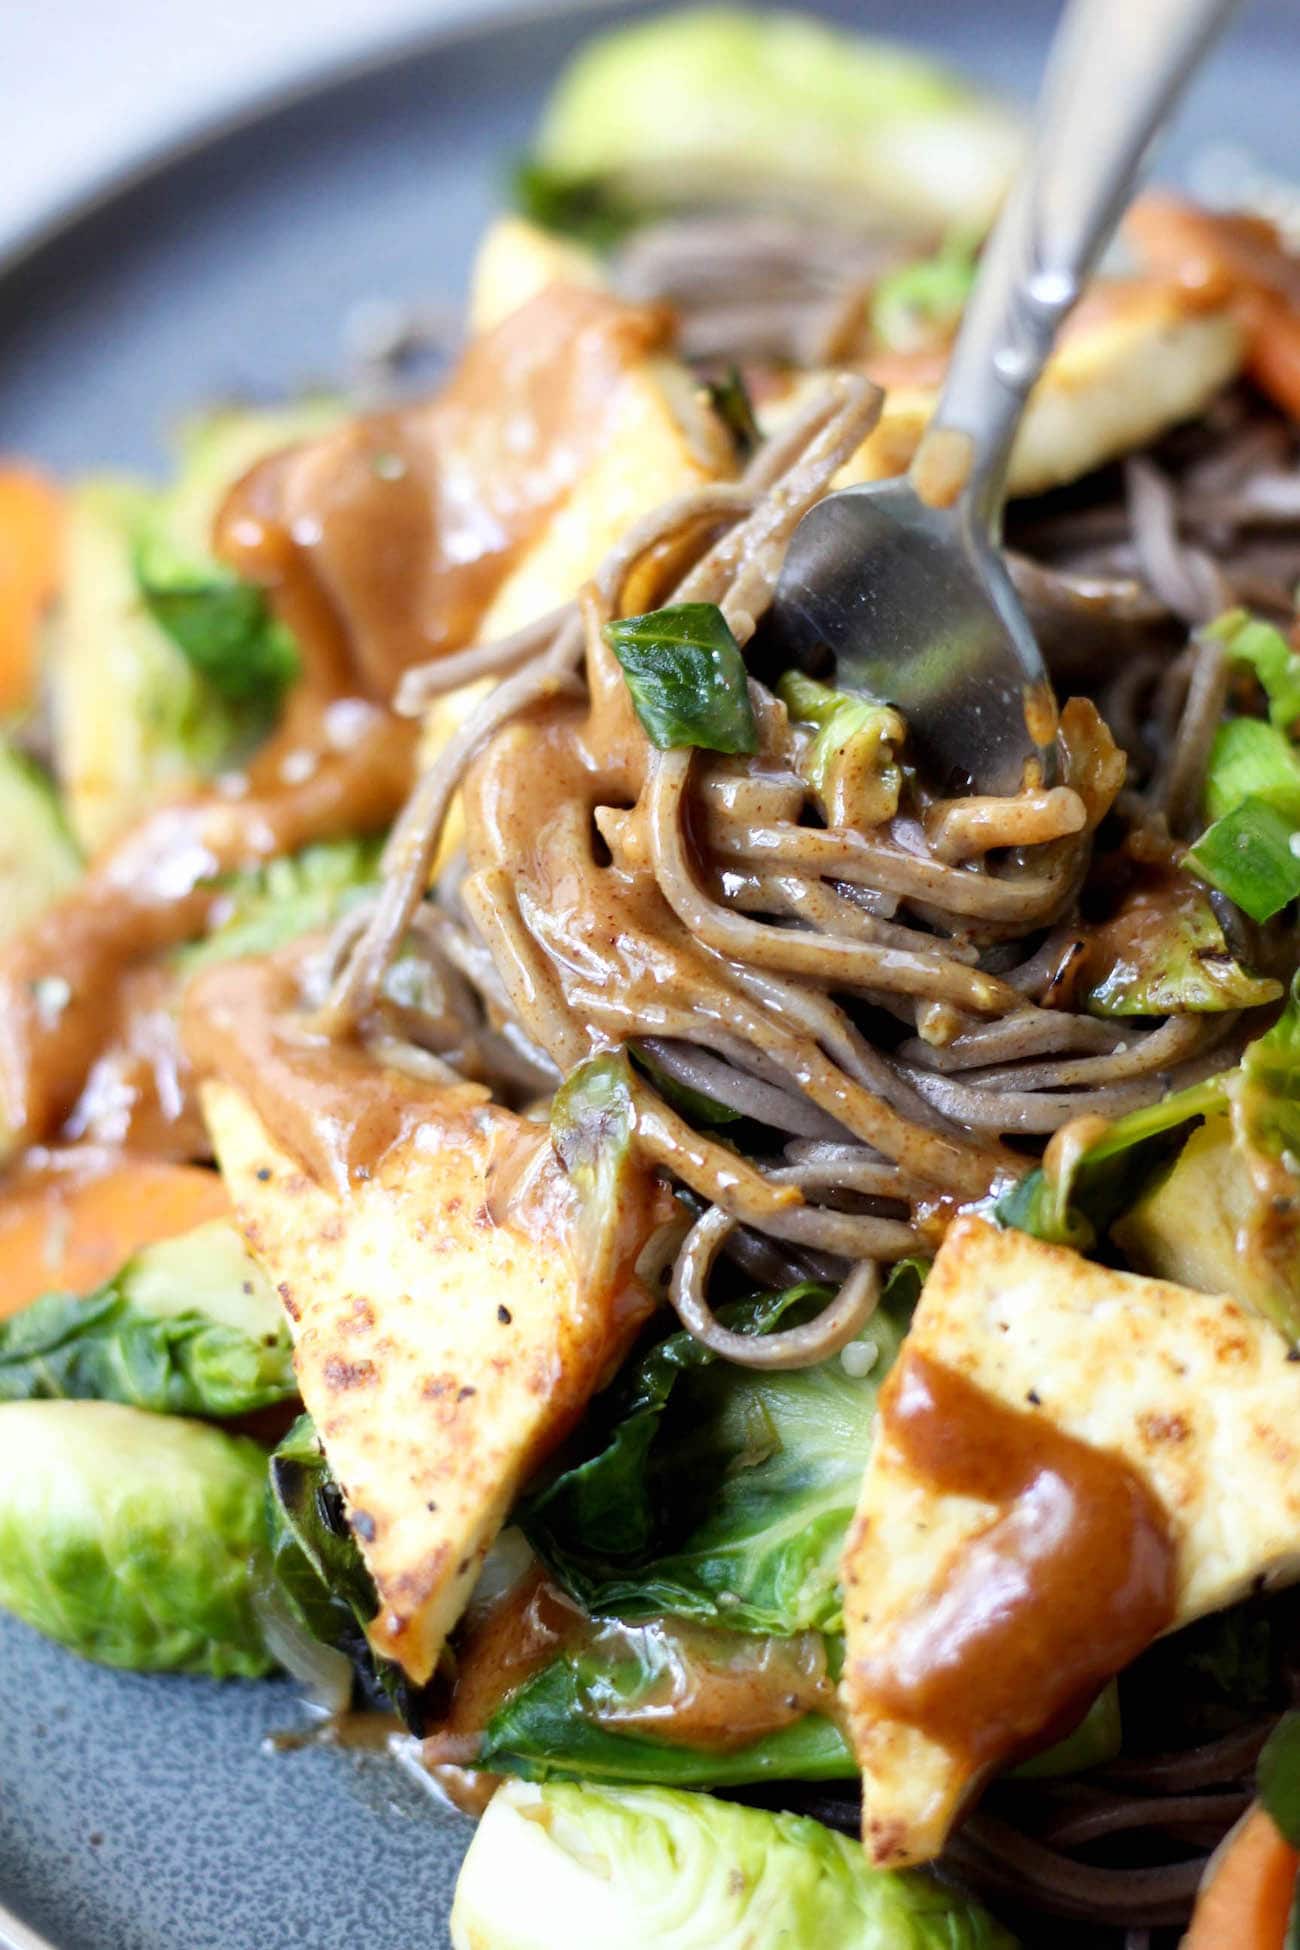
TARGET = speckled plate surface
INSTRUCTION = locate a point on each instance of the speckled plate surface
(143, 1813)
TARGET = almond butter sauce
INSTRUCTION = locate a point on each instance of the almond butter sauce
(1067, 1583)
(381, 544)
(329, 1104)
(65, 989)
(385, 541)
(706, 1688)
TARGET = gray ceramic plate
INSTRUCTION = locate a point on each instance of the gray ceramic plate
(139, 1813)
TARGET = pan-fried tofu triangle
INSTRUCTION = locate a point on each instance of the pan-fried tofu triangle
(1067, 1462)
(447, 1328)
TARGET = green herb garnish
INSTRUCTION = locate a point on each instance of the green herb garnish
(686, 677)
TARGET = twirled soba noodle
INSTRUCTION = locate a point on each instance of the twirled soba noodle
(888, 1009)
(871, 1000)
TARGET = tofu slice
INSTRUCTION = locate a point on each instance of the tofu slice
(1136, 358)
(1194, 1391)
(515, 261)
(662, 440)
(444, 1336)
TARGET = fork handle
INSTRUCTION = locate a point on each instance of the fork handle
(1116, 70)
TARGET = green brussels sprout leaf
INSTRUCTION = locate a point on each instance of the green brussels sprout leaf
(188, 1327)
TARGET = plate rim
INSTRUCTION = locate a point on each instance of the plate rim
(296, 83)
(17, 1935)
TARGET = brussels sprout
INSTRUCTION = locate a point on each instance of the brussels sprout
(135, 1539)
(851, 762)
(1092, 1187)
(1226, 1219)
(136, 712)
(188, 1327)
(718, 104)
(301, 893)
(1158, 957)
(562, 1867)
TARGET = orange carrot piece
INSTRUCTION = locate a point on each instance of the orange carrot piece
(1273, 359)
(71, 1227)
(31, 542)
(1246, 1901)
(1232, 257)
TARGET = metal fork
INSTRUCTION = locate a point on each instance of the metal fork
(904, 580)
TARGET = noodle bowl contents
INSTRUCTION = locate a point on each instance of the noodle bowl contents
(741, 1270)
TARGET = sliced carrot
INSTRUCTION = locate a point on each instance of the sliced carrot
(31, 541)
(1246, 1901)
(72, 1225)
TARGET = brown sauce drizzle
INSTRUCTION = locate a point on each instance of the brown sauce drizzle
(383, 544)
(1066, 1585)
(713, 1690)
(329, 1104)
(386, 540)
(64, 990)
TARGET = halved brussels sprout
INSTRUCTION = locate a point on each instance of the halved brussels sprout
(562, 1867)
(135, 1539)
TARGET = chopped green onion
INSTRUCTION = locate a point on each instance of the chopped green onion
(1265, 651)
(850, 764)
(1252, 760)
(919, 301)
(686, 677)
(1252, 855)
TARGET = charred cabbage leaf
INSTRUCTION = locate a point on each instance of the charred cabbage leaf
(547, 1729)
(317, 1569)
(137, 1540)
(1094, 1183)
(686, 677)
(718, 1493)
(1164, 956)
(563, 1867)
(188, 1327)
